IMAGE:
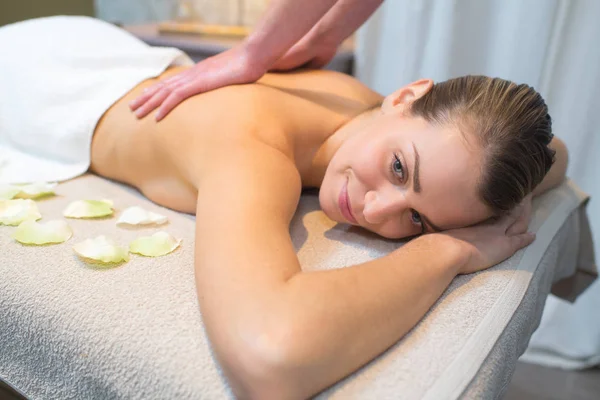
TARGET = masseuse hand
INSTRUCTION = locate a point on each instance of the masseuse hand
(492, 242)
(290, 34)
(231, 67)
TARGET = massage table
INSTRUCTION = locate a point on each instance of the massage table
(72, 331)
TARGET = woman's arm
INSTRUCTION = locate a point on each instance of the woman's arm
(558, 171)
(281, 333)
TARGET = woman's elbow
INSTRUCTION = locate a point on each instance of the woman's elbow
(561, 158)
(263, 362)
(557, 173)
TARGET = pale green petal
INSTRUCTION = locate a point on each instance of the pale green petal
(13, 212)
(29, 191)
(138, 216)
(159, 244)
(8, 192)
(35, 190)
(101, 249)
(31, 232)
(89, 209)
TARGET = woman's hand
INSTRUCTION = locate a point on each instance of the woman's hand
(306, 53)
(492, 242)
(231, 67)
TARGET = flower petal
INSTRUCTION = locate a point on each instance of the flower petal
(89, 209)
(13, 212)
(159, 244)
(35, 190)
(8, 192)
(138, 216)
(101, 249)
(28, 191)
(31, 232)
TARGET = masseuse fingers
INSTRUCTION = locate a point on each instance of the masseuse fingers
(175, 97)
(145, 96)
(150, 91)
(152, 103)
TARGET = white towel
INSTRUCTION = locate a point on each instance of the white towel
(58, 75)
(71, 331)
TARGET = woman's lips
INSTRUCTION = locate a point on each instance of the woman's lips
(344, 204)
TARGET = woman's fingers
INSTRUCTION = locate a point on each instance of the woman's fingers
(521, 223)
(521, 240)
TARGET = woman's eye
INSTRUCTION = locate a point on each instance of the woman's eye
(397, 167)
(416, 218)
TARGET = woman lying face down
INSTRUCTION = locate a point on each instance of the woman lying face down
(431, 158)
(439, 157)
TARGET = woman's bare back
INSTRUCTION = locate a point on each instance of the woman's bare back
(294, 113)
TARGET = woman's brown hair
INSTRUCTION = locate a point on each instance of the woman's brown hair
(512, 125)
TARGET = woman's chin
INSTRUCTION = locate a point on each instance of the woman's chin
(331, 214)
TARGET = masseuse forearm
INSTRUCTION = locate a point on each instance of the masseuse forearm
(343, 19)
(268, 42)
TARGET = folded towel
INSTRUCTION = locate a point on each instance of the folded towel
(68, 330)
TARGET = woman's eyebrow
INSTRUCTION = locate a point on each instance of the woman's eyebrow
(416, 181)
(417, 186)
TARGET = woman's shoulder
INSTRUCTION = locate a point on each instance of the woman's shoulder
(322, 81)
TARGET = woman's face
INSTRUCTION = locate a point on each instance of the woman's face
(402, 176)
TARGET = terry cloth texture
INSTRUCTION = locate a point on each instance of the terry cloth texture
(59, 76)
(71, 331)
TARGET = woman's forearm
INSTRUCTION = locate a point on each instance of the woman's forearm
(338, 320)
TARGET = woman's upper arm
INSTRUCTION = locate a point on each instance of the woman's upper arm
(243, 250)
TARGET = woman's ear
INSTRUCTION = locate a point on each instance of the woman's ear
(402, 97)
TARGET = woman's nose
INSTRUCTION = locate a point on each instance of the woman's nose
(381, 206)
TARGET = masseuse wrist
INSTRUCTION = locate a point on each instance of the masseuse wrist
(256, 61)
(257, 58)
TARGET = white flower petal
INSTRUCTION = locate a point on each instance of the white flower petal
(29, 191)
(13, 212)
(138, 216)
(8, 192)
(31, 232)
(89, 209)
(101, 249)
(159, 244)
(35, 190)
